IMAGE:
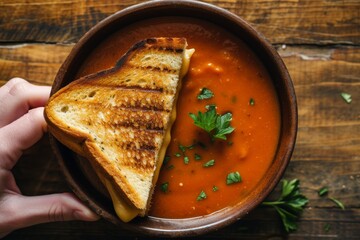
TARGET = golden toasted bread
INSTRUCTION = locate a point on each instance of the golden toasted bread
(120, 119)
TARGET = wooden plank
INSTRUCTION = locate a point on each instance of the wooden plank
(37, 63)
(261, 223)
(37, 173)
(326, 123)
(326, 154)
(291, 22)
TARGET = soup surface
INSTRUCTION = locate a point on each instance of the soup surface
(193, 179)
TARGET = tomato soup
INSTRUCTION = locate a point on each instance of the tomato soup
(194, 179)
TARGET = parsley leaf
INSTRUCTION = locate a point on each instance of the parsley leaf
(206, 121)
(290, 204)
(210, 106)
(182, 148)
(205, 93)
(170, 167)
(166, 159)
(223, 126)
(186, 160)
(165, 187)
(213, 123)
(233, 177)
(327, 227)
(346, 97)
(197, 157)
(209, 163)
(340, 204)
(201, 196)
(215, 188)
(323, 191)
(252, 102)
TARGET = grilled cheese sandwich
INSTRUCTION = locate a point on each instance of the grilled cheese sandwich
(120, 119)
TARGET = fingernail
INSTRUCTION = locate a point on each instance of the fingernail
(86, 215)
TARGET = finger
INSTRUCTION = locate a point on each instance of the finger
(24, 211)
(20, 135)
(7, 181)
(18, 96)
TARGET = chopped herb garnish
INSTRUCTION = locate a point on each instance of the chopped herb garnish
(229, 143)
(191, 146)
(340, 204)
(346, 97)
(209, 163)
(205, 93)
(327, 227)
(290, 204)
(170, 167)
(233, 177)
(215, 124)
(201, 196)
(223, 126)
(210, 106)
(166, 159)
(182, 148)
(186, 160)
(177, 154)
(197, 157)
(165, 187)
(252, 102)
(323, 191)
(215, 188)
(206, 121)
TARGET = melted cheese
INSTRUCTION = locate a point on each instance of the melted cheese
(124, 210)
(186, 62)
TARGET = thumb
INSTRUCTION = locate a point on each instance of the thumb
(27, 211)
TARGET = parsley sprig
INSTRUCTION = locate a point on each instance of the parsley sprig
(290, 204)
(218, 126)
(205, 93)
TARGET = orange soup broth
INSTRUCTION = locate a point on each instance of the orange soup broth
(226, 66)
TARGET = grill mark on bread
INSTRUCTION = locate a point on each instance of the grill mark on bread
(138, 138)
(135, 87)
(134, 138)
(125, 130)
(125, 116)
(142, 108)
(143, 89)
(138, 159)
(132, 146)
(133, 104)
(158, 69)
(139, 119)
(167, 49)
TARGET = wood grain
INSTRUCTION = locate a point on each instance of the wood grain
(318, 40)
(318, 22)
(326, 153)
(37, 63)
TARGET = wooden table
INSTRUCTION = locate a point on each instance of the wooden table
(319, 41)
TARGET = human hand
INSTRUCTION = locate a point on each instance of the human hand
(21, 125)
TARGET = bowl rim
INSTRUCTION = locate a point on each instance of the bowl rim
(223, 217)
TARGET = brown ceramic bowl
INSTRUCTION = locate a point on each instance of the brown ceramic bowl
(78, 175)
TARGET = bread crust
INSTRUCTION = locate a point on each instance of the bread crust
(133, 100)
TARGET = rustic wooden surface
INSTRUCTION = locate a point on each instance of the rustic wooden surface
(319, 41)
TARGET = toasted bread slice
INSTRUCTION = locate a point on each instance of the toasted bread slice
(120, 119)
